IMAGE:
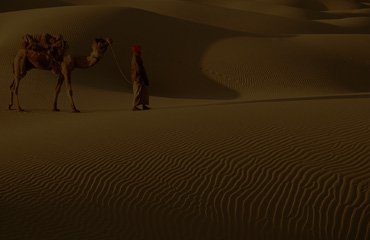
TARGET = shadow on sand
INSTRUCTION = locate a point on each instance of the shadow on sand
(231, 102)
(275, 100)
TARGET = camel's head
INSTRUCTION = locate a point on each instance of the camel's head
(101, 44)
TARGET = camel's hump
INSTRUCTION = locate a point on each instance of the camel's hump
(43, 41)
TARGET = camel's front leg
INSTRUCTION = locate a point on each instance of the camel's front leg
(67, 79)
(57, 91)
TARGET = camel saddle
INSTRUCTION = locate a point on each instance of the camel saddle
(53, 46)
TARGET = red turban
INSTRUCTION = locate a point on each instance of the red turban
(136, 48)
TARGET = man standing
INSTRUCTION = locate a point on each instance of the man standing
(139, 80)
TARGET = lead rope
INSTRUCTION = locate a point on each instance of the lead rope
(118, 66)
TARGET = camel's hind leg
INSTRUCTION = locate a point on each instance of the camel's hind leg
(11, 95)
(12, 89)
(57, 91)
(15, 91)
(19, 71)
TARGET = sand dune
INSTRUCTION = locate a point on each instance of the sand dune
(307, 64)
(236, 19)
(259, 127)
(319, 4)
(264, 8)
(279, 172)
(168, 71)
(16, 5)
(350, 22)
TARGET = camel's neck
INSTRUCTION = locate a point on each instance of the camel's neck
(89, 61)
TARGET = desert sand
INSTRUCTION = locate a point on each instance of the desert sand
(259, 128)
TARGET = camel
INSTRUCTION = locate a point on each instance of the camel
(61, 64)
